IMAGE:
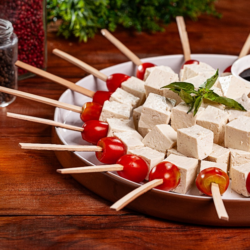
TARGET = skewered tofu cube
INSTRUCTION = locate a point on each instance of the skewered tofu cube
(219, 154)
(159, 78)
(238, 158)
(149, 155)
(135, 87)
(233, 87)
(188, 168)
(239, 176)
(164, 68)
(115, 110)
(137, 115)
(196, 141)
(210, 164)
(118, 125)
(215, 120)
(131, 139)
(123, 96)
(156, 110)
(161, 138)
(237, 134)
(174, 152)
(180, 118)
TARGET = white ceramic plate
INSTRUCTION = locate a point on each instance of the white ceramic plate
(74, 138)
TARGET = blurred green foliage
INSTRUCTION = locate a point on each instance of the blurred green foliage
(83, 18)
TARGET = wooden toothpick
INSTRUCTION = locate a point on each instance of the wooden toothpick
(246, 47)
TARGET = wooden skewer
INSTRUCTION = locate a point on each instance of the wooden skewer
(219, 205)
(246, 47)
(41, 99)
(80, 64)
(184, 37)
(135, 59)
(135, 193)
(65, 83)
(56, 147)
(80, 170)
(44, 121)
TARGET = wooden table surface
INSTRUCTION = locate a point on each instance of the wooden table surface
(45, 210)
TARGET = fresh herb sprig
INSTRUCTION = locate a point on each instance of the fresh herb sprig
(194, 98)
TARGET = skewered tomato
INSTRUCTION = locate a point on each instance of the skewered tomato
(190, 62)
(115, 81)
(91, 111)
(101, 96)
(142, 69)
(248, 183)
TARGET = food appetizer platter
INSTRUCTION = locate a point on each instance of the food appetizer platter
(165, 143)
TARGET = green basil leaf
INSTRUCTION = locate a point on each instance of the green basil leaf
(186, 86)
(186, 97)
(209, 83)
(197, 104)
(191, 107)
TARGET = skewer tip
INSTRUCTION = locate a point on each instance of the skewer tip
(114, 208)
(59, 171)
(103, 31)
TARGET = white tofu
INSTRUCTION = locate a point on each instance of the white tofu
(149, 155)
(239, 176)
(207, 103)
(123, 96)
(143, 131)
(210, 164)
(237, 134)
(118, 125)
(233, 87)
(137, 115)
(161, 138)
(217, 90)
(238, 158)
(215, 120)
(188, 168)
(156, 110)
(196, 141)
(131, 139)
(180, 118)
(164, 68)
(159, 78)
(174, 152)
(219, 154)
(115, 110)
(135, 87)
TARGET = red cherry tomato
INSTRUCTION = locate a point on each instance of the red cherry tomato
(168, 172)
(94, 131)
(113, 149)
(190, 62)
(228, 69)
(91, 111)
(248, 183)
(115, 81)
(101, 96)
(142, 69)
(135, 168)
(212, 175)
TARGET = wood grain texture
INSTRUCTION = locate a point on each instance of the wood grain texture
(42, 209)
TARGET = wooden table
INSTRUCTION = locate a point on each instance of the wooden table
(45, 210)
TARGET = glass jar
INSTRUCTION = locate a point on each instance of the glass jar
(28, 18)
(8, 57)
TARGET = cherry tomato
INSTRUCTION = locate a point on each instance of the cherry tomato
(142, 69)
(212, 175)
(94, 131)
(115, 81)
(168, 172)
(113, 149)
(190, 62)
(91, 111)
(135, 168)
(248, 183)
(228, 69)
(101, 96)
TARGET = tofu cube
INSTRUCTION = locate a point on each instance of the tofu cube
(215, 120)
(135, 87)
(149, 155)
(131, 139)
(115, 110)
(137, 115)
(196, 141)
(122, 96)
(237, 134)
(210, 164)
(161, 138)
(164, 68)
(239, 176)
(174, 152)
(188, 168)
(219, 154)
(180, 118)
(143, 131)
(156, 110)
(118, 125)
